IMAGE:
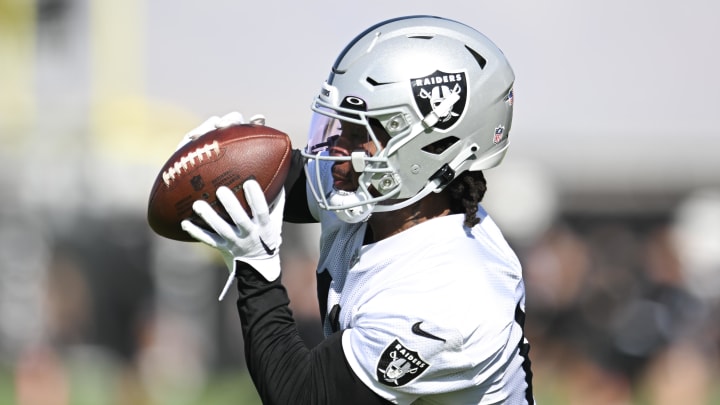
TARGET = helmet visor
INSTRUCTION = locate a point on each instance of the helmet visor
(340, 136)
(324, 132)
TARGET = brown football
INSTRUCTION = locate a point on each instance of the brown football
(223, 157)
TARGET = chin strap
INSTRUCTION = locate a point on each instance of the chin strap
(354, 214)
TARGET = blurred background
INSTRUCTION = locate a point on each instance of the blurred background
(610, 193)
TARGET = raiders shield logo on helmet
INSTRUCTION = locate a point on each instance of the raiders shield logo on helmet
(442, 93)
(399, 365)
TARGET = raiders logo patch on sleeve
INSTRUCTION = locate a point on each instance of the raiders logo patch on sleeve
(399, 365)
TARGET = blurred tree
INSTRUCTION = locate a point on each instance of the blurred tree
(17, 47)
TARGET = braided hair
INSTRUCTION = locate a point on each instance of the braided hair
(466, 192)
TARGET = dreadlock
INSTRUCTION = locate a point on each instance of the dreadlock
(466, 192)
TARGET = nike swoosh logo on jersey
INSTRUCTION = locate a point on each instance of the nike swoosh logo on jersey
(269, 251)
(416, 330)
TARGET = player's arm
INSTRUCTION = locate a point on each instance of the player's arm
(296, 203)
(283, 369)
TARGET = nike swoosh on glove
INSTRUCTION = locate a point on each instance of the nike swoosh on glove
(255, 241)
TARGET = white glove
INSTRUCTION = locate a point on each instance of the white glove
(215, 122)
(255, 241)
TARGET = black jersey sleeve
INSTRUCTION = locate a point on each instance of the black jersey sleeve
(283, 369)
(296, 206)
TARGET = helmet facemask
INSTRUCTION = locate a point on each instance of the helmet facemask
(373, 177)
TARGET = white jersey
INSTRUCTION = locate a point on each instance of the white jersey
(429, 315)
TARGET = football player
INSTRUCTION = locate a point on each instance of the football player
(422, 298)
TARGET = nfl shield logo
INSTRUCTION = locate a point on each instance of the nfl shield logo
(197, 183)
(399, 365)
(444, 94)
(498, 134)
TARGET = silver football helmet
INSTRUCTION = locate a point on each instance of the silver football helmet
(413, 83)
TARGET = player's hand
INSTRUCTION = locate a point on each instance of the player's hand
(215, 122)
(255, 241)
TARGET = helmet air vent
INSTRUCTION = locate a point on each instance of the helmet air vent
(441, 145)
(480, 60)
(374, 82)
(421, 36)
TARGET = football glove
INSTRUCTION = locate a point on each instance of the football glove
(253, 240)
(215, 122)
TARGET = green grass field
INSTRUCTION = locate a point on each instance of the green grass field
(221, 389)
